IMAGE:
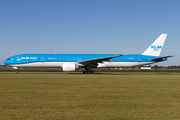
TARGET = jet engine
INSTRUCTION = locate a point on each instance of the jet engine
(69, 66)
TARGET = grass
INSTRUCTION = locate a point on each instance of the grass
(74, 96)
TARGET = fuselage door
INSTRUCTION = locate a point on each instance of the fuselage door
(42, 59)
(139, 59)
(18, 60)
(79, 58)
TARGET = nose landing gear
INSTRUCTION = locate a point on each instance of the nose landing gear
(17, 72)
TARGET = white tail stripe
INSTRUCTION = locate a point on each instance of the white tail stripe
(155, 48)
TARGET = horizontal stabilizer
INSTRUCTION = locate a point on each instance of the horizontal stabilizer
(160, 58)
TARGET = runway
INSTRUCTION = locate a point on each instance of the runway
(60, 73)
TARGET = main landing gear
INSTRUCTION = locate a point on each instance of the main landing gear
(88, 70)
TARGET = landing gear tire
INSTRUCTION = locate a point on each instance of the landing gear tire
(88, 72)
(17, 72)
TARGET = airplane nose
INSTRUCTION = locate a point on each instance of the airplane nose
(5, 62)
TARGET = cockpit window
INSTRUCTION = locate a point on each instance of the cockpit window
(8, 59)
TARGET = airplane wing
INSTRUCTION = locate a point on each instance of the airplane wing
(97, 60)
(160, 58)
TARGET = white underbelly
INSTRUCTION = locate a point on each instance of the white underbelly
(121, 64)
(40, 65)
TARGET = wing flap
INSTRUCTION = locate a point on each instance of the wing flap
(97, 60)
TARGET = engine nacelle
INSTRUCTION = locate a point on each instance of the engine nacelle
(69, 66)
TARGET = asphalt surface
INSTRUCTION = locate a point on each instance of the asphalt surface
(60, 73)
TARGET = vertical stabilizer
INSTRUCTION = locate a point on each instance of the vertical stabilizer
(155, 48)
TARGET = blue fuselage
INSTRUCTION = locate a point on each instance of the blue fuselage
(35, 58)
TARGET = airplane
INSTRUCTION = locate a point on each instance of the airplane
(72, 62)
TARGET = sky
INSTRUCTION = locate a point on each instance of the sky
(88, 27)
